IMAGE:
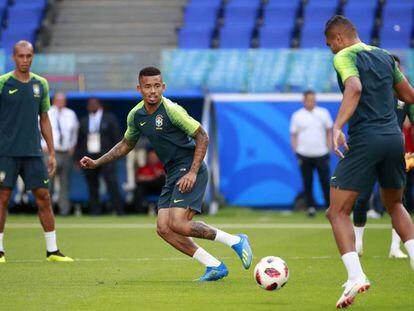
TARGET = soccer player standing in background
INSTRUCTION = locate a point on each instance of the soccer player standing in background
(24, 97)
(181, 144)
(367, 77)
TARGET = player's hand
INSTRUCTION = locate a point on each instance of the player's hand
(339, 139)
(87, 163)
(51, 166)
(186, 183)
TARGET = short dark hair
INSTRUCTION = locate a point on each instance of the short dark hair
(340, 21)
(396, 58)
(308, 92)
(149, 72)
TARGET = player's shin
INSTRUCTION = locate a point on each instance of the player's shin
(202, 256)
(352, 265)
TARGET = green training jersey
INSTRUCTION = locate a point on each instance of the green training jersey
(376, 68)
(169, 129)
(20, 106)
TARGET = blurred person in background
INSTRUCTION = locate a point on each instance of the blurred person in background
(311, 138)
(65, 134)
(98, 132)
(24, 105)
(150, 178)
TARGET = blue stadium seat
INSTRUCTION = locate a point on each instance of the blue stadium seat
(362, 17)
(397, 24)
(241, 14)
(392, 37)
(275, 36)
(10, 36)
(30, 4)
(204, 3)
(279, 15)
(234, 37)
(19, 17)
(283, 3)
(362, 4)
(318, 14)
(322, 4)
(312, 37)
(200, 16)
(195, 38)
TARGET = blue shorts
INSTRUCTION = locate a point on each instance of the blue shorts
(31, 169)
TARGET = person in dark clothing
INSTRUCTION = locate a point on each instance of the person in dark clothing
(98, 132)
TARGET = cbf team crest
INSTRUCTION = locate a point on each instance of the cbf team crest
(36, 90)
(159, 122)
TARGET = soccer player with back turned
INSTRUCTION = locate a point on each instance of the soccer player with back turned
(368, 77)
(181, 144)
(24, 102)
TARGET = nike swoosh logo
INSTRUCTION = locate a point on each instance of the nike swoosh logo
(178, 201)
(142, 123)
(45, 181)
(13, 91)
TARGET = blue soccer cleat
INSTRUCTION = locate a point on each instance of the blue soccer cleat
(214, 273)
(244, 251)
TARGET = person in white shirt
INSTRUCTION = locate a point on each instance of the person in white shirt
(311, 138)
(65, 126)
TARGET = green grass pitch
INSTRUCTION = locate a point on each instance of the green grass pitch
(123, 265)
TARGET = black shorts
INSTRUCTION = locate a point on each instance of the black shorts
(379, 156)
(31, 169)
(172, 197)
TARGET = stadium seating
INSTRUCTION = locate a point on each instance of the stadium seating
(280, 14)
(24, 18)
(397, 24)
(235, 37)
(203, 3)
(362, 14)
(316, 14)
(275, 37)
(268, 70)
(228, 71)
(241, 13)
(200, 16)
(195, 38)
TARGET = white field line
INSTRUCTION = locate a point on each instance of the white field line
(159, 259)
(152, 226)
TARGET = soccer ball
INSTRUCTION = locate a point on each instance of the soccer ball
(271, 273)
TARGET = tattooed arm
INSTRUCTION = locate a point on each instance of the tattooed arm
(118, 151)
(186, 183)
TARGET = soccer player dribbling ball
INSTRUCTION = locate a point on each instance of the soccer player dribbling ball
(24, 97)
(181, 144)
(368, 77)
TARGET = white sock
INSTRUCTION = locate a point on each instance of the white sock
(352, 265)
(1, 243)
(50, 238)
(205, 258)
(359, 236)
(395, 240)
(226, 238)
(409, 246)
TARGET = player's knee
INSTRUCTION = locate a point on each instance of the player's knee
(177, 226)
(163, 230)
(43, 196)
